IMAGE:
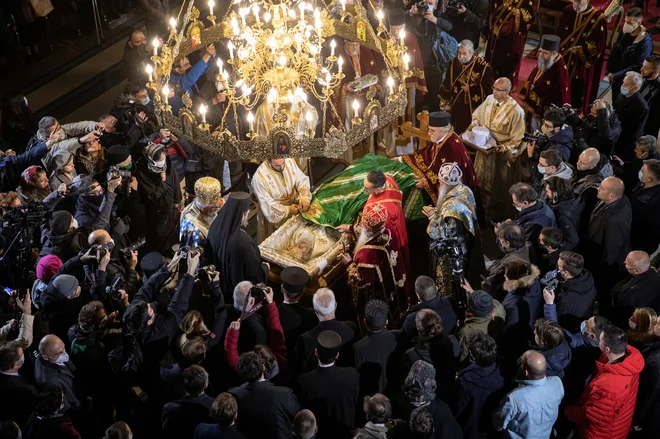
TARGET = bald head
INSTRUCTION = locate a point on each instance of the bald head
(51, 347)
(534, 365)
(638, 262)
(100, 237)
(503, 83)
(501, 89)
(611, 190)
(588, 159)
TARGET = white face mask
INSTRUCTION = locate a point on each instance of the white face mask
(160, 163)
(628, 28)
(145, 101)
(541, 169)
(639, 174)
(26, 101)
(62, 359)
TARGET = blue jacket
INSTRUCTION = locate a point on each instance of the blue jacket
(476, 395)
(628, 54)
(534, 218)
(188, 80)
(441, 305)
(530, 411)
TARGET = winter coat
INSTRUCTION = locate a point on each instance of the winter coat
(495, 277)
(633, 112)
(600, 132)
(575, 300)
(476, 396)
(606, 242)
(568, 214)
(557, 359)
(636, 291)
(62, 377)
(445, 424)
(605, 409)
(562, 141)
(645, 233)
(442, 352)
(492, 325)
(11, 167)
(63, 246)
(530, 411)
(93, 212)
(535, 218)
(628, 55)
(523, 304)
(441, 305)
(647, 408)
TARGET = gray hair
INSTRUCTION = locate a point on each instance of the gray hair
(45, 123)
(506, 82)
(324, 302)
(648, 144)
(466, 44)
(241, 290)
(636, 78)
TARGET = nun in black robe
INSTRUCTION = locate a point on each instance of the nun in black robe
(237, 256)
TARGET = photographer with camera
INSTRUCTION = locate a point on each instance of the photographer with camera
(94, 205)
(599, 129)
(554, 134)
(121, 263)
(248, 302)
(574, 289)
(146, 334)
(61, 236)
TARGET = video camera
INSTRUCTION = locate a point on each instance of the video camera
(112, 291)
(205, 276)
(550, 280)
(133, 247)
(30, 214)
(540, 139)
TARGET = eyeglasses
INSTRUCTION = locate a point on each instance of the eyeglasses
(499, 89)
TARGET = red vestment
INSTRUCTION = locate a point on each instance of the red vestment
(508, 24)
(392, 200)
(427, 162)
(541, 90)
(377, 271)
(587, 33)
(478, 77)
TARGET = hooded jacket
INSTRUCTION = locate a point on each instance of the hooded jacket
(93, 212)
(568, 214)
(557, 359)
(605, 409)
(600, 132)
(562, 141)
(575, 300)
(476, 397)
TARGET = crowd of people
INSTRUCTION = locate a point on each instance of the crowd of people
(137, 304)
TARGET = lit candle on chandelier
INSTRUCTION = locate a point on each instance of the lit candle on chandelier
(302, 12)
(340, 64)
(332, 47)
(406, 60)
(380, 16)
(250, 118)
(356, 107)
(155, 43)
(230, 46)
(402, 36)
(219, 62)
(150, 71)
(390, 84)
(343, 5)
(173, 24)
(211, 4)
(166, 93)
(308, 119)
(256, 13)
(202, 111)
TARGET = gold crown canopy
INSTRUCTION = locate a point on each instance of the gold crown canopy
(277, 55)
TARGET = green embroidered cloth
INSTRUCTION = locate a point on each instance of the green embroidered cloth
(340, 199)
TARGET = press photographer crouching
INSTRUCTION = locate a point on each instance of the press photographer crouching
(599, 129)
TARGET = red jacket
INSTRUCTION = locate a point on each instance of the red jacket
(605, 409)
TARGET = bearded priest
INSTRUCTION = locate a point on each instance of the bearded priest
(375, 268)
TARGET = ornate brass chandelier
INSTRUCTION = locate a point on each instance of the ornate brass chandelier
(278, 57)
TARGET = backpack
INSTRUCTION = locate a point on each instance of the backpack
(445, 48)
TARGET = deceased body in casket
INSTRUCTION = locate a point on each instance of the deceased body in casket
(301, 243)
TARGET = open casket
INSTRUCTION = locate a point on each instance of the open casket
(290, 246)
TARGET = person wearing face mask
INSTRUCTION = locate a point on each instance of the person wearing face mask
(632, 111)
(23, 394)
(558, 136)
(645, 203)
(550, 164)
(599, 128)
(592, 168)
(548, 84)
(198, 216)
(567, 207)
(466, 85)
(646, 419)
(49, 418)
(551, 244)
(94, 205)
(632, 47)
(53, 367)
(136, 56)
(534, 213)
(646, 147)
(651, 93)
(159, 188)
(69, 137)
(583, 32)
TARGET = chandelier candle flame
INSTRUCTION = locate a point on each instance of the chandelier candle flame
(281, 70)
